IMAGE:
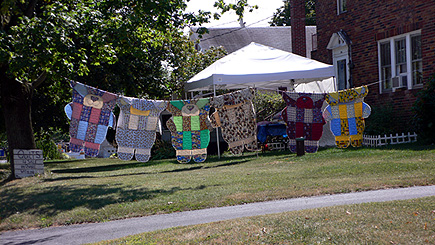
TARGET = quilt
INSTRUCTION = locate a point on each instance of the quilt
(190, 128)
(235, 116)
(303, 117)
(137, 125)
(91, 114)
(346, 112)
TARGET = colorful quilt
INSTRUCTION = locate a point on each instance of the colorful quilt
(91, 114)
(303, 117)
(136, 129)
(236, 116)
(190, 128)
(346, 111)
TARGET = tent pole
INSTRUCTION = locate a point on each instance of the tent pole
(217, 129)
(255, 120)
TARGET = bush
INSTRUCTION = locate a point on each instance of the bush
(45, 140)
(424, 108)
(267, 104)
(162, 150)
(379, 121)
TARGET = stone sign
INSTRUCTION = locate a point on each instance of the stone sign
(28, 163)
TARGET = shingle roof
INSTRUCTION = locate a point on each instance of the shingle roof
(234, 38)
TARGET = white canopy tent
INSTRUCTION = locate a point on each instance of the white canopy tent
(264, 67)
(260, 66)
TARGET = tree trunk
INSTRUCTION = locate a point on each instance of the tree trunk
(16, 99)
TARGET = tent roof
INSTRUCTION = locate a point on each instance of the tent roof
(256, 65)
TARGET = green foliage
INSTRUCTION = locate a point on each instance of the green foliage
(267, 104)
(45, 140)
(424, 108)
(239, 7)
(186, 62)
(379, 122)
(282, 16)
(48, 106)
(118, 46)
(162, 150)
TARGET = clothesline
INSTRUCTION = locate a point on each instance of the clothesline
(374, 83)
(91, 114)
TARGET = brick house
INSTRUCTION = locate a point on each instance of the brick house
(391, 42)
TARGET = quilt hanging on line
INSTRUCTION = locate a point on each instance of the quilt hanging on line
(346, 111)
(303, 117)
(91, 114)
(137, 126)
(190, 128)
(235, 116)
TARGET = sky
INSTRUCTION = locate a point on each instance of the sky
(259, 17)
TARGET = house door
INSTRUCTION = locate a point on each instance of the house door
(340, 59)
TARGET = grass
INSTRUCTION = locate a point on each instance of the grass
(398, 222)
(98, 190)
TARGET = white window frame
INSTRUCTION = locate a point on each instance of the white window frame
(408, 74)
(340, 8)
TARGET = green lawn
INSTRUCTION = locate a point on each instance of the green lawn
(398, 222)
(97, 190)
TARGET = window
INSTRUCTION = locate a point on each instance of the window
(341, 74)
(341, 4)
(400, 56)
(400, 61)
(417, 64)
(386, 65)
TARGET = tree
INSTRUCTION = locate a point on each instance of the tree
(92, 41)
(282, 15)
(424, 108)
(239, 8)
(186, 61)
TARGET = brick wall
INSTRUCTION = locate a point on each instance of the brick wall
(297, 12)
(366, 22)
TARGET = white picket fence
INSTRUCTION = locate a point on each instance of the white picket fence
(378, 140)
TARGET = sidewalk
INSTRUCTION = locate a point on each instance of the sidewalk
(87, 233)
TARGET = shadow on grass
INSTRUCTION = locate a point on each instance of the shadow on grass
(54, 200)
(205, 167)
(105, 168)
(49, 162)
(137, 174)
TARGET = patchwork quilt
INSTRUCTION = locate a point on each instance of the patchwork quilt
(137, 125)
(346, 111)
(236, 116)
(190, 128)
(303, 117)
(91, 114)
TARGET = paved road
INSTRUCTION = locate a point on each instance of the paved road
(87, 233)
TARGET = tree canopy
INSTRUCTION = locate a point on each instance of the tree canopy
(116, 45)
(122, 46)
(282, 16)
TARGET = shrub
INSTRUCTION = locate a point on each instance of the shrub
(45, 140)
(424, 108)
(162, 150)
(379, 121)
(267, 104)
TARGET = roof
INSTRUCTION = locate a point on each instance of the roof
(235, 38)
